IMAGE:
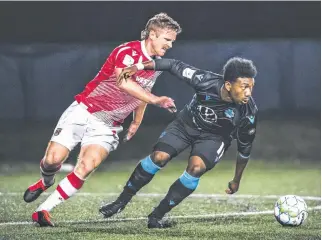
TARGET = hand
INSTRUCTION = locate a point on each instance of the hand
(134, 126)
(232, 187)
(126, 73)
(167, 103)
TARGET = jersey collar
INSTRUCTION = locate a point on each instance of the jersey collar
(145, 52)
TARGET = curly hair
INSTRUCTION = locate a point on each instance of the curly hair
(239, 67)
(162, 21)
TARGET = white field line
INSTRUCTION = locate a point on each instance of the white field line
(198, 195)
(202, 216)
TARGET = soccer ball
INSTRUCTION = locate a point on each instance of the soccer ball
(290, 210)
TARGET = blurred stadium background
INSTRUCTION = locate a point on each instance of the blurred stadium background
(50, 50)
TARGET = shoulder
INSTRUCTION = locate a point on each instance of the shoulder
(126, 48)
(127, 54)
(209, 80)
(205, 74)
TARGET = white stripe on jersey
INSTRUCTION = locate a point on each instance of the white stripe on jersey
(122, 49)
(145, 52)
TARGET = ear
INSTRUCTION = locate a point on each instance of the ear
(228, 86)
(152, 34)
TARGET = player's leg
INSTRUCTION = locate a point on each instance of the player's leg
(97, 141)
(90, 158)
(204, 156)
(171, 142)
(49, 166)
(64, 139)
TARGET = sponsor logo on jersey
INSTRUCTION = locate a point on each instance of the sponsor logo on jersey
(207, 114)
(144, 82)
(188, 72)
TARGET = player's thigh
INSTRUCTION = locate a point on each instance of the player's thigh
(209, 150)
(174, 139)
(98, 141)
(102, 134)
(71, 126)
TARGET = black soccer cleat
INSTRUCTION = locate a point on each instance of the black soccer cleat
(42, 218)
(34, 191)
(110, 209)
(154, 222)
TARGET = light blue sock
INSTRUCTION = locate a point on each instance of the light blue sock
(189, 181)
(149, 166)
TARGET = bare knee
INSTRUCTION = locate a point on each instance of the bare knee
(89, 159)
(85, 166)
(55, 154)
(160, 158)
(196, 167)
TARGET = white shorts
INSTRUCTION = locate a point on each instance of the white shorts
(77, 125)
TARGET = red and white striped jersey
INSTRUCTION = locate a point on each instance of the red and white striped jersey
(103, 98)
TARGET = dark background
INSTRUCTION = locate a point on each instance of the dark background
(120, 21)
(50, 50)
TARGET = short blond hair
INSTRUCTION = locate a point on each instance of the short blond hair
(162, 21)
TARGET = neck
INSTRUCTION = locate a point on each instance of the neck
(149, 48)
(225, 95)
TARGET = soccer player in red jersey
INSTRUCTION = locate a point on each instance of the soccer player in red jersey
(95, 118)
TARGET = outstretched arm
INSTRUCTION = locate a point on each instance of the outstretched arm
(123, 58)
(134, 89)
(193, 76)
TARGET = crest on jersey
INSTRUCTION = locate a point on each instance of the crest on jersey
(57, 131)
(207, 114)
(229, 113)
(128, 60)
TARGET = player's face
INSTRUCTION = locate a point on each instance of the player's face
(162, 40)
(241, 90)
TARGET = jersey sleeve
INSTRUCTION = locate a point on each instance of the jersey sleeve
(124, 58)
(245, 135)
(195, 77)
